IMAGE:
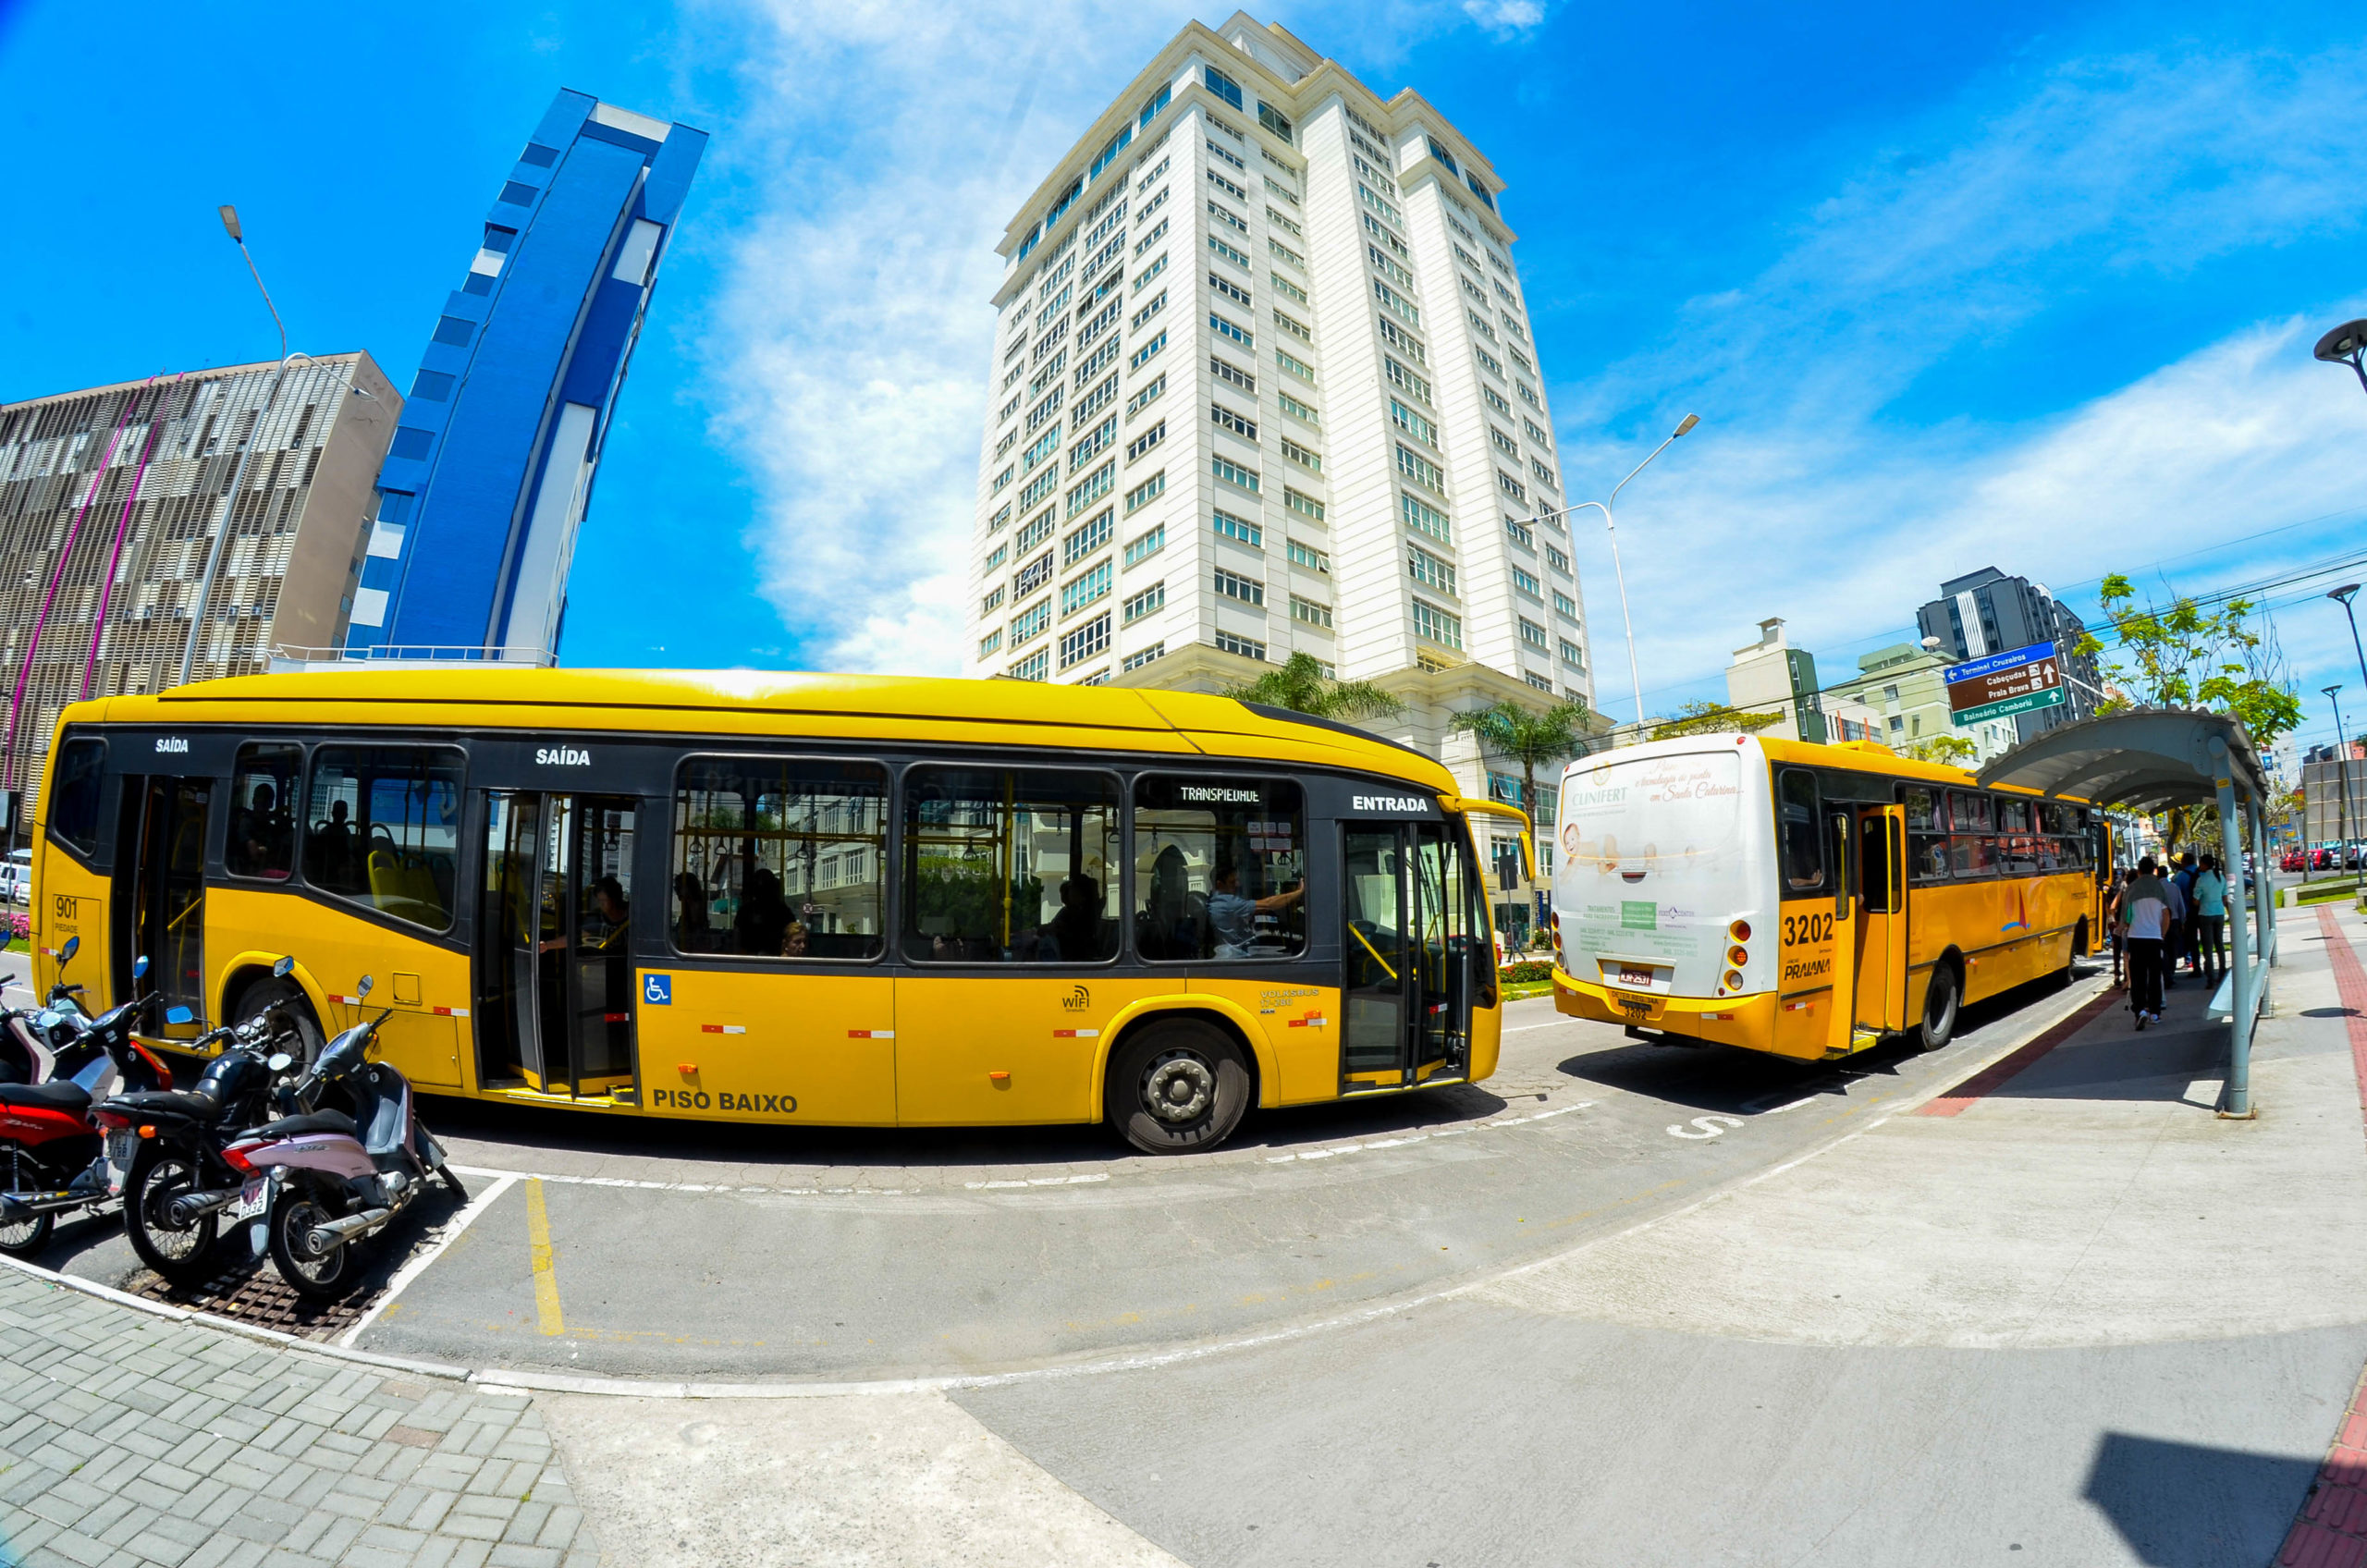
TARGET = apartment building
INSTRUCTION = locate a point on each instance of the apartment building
(1263, 384)
(179, 528)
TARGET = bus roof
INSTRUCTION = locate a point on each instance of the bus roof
(1863, 756)
(755, 704)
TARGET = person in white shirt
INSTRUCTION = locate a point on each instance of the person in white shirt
(2147, 904)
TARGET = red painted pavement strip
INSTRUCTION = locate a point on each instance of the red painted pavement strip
(1991, 1077)
(2331, 1531)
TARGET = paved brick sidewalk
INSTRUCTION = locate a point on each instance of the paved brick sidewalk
(128, 1439)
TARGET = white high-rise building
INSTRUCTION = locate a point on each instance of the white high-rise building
(1263, 384)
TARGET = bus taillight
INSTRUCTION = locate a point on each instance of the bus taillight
(1740, 930)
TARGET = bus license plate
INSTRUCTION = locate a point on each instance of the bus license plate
(1640, 977)
(253, 1199)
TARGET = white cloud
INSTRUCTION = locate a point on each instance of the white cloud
(1505, 16)
(1804, 494)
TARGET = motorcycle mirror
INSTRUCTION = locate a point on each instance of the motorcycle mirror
(138, 966)
(363, 990)
(179, 1015)
(280, 1062)
(73, 945)
(279, 971)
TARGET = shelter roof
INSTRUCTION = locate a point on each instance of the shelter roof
(2144, 760)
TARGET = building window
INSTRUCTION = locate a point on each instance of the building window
(1310, 612)
(1296, 367)
(1557, 560)
(1542, 474)
(1151, 107)
(1096, 484)
(1239, 334)
(1406, 381)
(990, 641)
(1225, 216)
(1427, 518)
(1229, 643)
(1272, 121)
(1147, 440)
(1411, 423)
(1221, 85)
(1230, 289)
(1526, 582)
(1233, 473)
(1094, 402)
(1000, 553)
(1304, 505)
(1435, 624)
(1031, 532)
(1420, 470)
(1036, 665)
(1232, 585)
(1239, 528)
(1565, 605)
(1225, 370)
(1534, 635)
(1157, 303)
(1574, 657)
(1305, 457)
(1031, 622)
(1145, 396)
(1039, 487)
(1143, 546)
(1142, 657)
(992, 600)
(1396, 304)
(1151, 599)
(1158, 233)
(1310, 557)
(1086, 540)
(1235, 192)
(1087, 640)
(1504, 443)
(1141, 494)
(1407, 343)
(1142, 354)
(1511, 486)
(1032, 576)
(1286, 286)
(1281, 251)
(1428, 570)
(1096, 441)
(1225, 418)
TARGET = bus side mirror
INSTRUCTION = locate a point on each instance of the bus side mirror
(179, 1015)
(66, 954)
(138, 966)
(364, 988)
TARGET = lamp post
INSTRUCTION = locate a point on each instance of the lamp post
(1635, 674)
(2342, 777)
(2342, 595)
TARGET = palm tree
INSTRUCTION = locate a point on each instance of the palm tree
(1531, 738)
(1302, 687)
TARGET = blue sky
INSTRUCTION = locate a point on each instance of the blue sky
(1950, 286)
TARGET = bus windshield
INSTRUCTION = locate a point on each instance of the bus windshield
(1655, 861)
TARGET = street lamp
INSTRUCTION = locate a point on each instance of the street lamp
(2346, 345)
(230, 227)
(1635, 674)
(2342, 777)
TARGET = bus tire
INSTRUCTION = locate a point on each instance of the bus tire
(1942, 1001)
(272, 992)
(1176, 1084)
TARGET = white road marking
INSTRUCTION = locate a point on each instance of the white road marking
(419, 1260)
(1711, 1126)
(1030, 1182)
(1334, 1150)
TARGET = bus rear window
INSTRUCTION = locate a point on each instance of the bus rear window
(74, 794)
(383, 830)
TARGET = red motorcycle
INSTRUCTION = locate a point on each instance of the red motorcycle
(52, 1160)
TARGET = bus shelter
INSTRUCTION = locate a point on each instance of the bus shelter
(2151, 760)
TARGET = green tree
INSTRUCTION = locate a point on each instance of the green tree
(1531, 738)
(1302, 687)
(2183, 656)
(1706, 718)
(1953, 750)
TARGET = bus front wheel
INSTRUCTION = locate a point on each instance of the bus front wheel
(1939, 1009)
(1176, 1084)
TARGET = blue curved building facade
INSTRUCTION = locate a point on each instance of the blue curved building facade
(491, 471)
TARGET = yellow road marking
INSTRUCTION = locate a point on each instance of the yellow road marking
(538, 1236)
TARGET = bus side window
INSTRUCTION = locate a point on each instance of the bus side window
(262, 807)
(1799, 832)
(1927, 840)
(74, 794)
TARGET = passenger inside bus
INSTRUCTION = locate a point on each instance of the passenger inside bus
(1234, 916)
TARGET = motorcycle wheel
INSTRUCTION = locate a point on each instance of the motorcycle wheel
(180, 1257)
(322, 1277)
(24, 1237)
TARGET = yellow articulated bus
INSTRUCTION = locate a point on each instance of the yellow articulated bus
(1809, 901)
(792, 898)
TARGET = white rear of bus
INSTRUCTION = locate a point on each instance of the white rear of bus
(1663, 848)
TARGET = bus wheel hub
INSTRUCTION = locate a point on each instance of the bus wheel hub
(1179, 1088)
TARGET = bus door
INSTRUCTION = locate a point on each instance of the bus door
(162, 895)
(1415, 932)
(1881, 920)
(555, 990)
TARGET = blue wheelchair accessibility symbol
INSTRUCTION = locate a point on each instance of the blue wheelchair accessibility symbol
(658, 990)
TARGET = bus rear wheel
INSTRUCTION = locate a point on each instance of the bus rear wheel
(1176, 1084)
(1940, 1002)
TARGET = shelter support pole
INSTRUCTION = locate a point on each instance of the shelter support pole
(2245, 970)
(2263, 895)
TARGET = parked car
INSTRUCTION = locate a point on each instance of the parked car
(16, 876)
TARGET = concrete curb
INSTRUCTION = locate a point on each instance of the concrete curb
(2065, 1004)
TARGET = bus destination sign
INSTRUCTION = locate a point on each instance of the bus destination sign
(2018, 680)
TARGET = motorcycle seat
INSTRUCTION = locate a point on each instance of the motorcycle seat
(166, 1102)
(297, 1126)
(57, 1094)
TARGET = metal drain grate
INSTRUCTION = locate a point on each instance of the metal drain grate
(256, 1293)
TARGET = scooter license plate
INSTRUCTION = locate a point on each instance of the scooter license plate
(254, 1199)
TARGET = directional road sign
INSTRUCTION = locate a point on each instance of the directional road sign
(2018, 680)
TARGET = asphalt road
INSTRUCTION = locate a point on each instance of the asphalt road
(843, 1254)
